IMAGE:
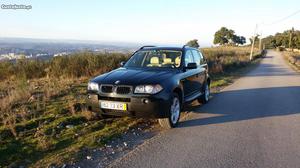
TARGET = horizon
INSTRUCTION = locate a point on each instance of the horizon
(145, 22)
(76, 41)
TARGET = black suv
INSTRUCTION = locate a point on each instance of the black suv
(154, 83)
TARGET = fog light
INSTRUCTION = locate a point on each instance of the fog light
(146, 101)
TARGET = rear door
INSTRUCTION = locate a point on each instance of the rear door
(204, 66)
(201, 75)
(190, 77)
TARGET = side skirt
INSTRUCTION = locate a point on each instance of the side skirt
(192, 97)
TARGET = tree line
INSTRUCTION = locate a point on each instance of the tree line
(227, 37)
(287, 39)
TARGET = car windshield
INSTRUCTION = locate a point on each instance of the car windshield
(155, 59)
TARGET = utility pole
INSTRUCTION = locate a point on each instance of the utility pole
(252, 48)
(290, 40)
(260, 42)
(253, 41)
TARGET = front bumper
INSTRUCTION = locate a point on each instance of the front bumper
(142, 106)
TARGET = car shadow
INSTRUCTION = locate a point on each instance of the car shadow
(268, 57)
(239, 105)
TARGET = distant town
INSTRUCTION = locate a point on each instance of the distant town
(23, 48)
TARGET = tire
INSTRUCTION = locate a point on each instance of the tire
(204, 98)
(174, 114)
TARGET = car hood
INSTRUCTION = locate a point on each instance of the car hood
(133, 76)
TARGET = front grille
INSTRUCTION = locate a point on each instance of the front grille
(118, 99)
(116, 89)
(123, 90)
(107, 88)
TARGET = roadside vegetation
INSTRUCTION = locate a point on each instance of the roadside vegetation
(229, 62)
(293, 57)
(288, 42)
(43, 119)
(287, 39)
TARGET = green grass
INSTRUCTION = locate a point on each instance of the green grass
(221, 81)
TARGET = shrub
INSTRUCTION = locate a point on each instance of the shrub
(72, 66)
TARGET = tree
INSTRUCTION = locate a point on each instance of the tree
(222, 36)
(240, 40)
(193, 43)
(226, 36)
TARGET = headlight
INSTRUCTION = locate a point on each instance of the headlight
(93, 86)
(149, 89)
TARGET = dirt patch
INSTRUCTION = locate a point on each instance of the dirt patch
(116, 148)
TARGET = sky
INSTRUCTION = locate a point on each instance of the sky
(146, 21)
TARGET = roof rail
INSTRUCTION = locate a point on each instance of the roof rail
(185, 46)
(146, 47)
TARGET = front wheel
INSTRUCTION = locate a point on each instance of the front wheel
(205, 96)
(174, 114)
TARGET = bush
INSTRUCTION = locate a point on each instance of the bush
(74, 65)
(280, 48)
(6, 70)
(293, 58)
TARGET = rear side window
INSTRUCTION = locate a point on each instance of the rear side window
(197, 57)
(202, 59)
(188, 57)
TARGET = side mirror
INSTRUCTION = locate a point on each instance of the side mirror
(191, 66)
(122, 63)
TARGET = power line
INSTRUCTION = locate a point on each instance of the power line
(284, 18)
(263, 24)
(272, 23)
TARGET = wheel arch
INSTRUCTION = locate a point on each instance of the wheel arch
(208, 80)
(180, 93)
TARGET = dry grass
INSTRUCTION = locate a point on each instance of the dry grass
(224, 59)
(293, 58)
